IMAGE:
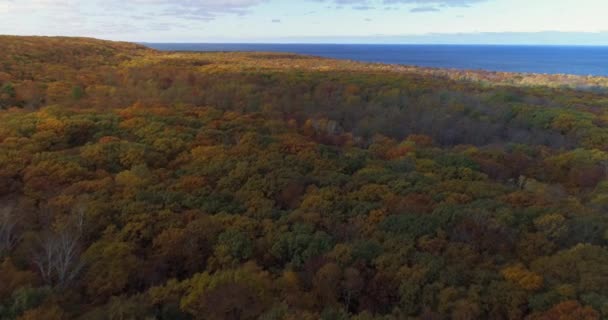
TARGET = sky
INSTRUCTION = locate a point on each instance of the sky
(562, 22)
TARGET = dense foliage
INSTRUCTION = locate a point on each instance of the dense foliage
(136, 184)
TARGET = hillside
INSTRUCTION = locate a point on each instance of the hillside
(138, 184)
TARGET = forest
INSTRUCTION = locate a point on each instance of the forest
(138, 184)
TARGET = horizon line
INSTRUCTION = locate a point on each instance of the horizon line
(374, 44)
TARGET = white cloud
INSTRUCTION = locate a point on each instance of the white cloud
(206, 9)
(445, 3)
(371, 4)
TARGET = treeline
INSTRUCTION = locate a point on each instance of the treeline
(264, 186)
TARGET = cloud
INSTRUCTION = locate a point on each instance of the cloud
(196, 9)
(99, 18)
(190, 9)
(443, 3)
(21, 5)
(203, 10)
(424, 9)
(107, 18)
(391, 3)
(364, 7)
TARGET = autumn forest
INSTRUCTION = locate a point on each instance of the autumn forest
(138, 184)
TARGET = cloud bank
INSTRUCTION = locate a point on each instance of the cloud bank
(204, 10)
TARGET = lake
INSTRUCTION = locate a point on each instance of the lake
(579, 60)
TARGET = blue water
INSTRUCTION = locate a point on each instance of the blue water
(579, 60)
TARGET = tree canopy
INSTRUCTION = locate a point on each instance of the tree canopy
(137, 184)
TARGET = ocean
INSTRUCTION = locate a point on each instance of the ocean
(577, 60)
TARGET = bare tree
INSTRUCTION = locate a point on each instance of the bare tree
(8, 228)
(58, 258)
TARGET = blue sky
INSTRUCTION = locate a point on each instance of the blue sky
(334, 21)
